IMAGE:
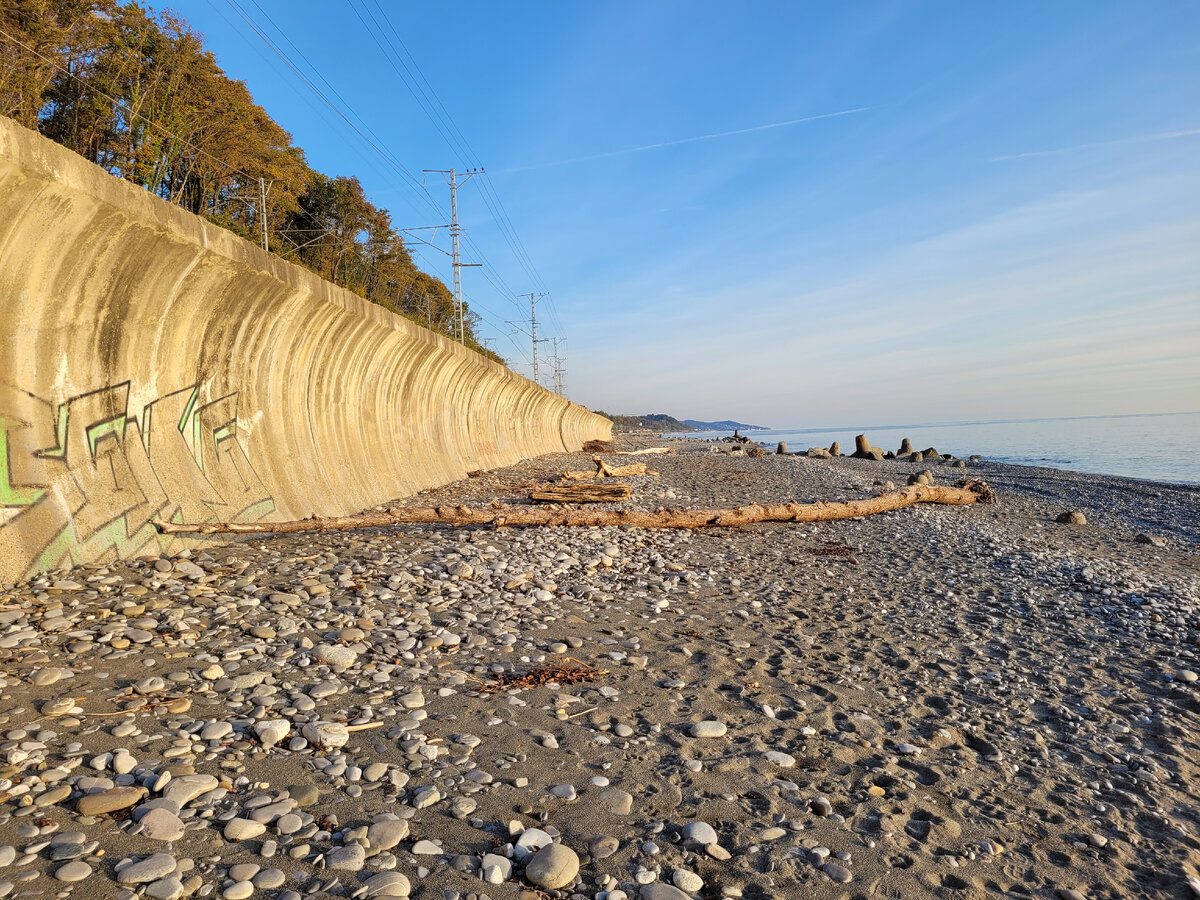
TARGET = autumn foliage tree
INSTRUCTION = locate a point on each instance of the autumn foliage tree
(136, 93)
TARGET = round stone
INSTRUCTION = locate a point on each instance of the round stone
(161, 825)
(110, 800)
(616, 801)
(76, 870)
(152, 868)
(700, 833)
(387, 834)
(58, 706)
(530, 841)
(836, 872)
(304, 794)
(687, 880)
(552, 867)
(709, 729)
(269, 879)
(336, 656)
(387, 884)
(349, 858)
(660, 891)
(271, 731)
(243, 829)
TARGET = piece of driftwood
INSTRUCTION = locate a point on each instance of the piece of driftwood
(583, 493)
(646, 450)
(604, 470)
(498, 514)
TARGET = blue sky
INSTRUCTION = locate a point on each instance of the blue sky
(988, 211)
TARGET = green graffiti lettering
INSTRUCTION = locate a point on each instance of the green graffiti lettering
(12, 494)
(115, 425)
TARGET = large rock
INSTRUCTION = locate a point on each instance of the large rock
(835, 449)
(905, 447)
(1072, 517)
(864, 450)
(552, 867)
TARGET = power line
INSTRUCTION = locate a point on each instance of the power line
(373, 140)
(429, 101)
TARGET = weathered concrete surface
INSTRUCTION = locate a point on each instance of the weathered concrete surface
(154, 365)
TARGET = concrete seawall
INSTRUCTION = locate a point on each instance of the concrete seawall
(153, 365)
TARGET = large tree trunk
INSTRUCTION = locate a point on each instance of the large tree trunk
(822, 511)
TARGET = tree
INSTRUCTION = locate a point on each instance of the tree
(138, 94)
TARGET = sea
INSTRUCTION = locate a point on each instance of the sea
(1161, 447)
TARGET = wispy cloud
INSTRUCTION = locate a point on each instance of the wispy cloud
(688, 140)
(1138, 139)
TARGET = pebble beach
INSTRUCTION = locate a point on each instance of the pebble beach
(942, 701)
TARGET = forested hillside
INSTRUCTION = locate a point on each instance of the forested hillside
(660, 423)
(137, 93)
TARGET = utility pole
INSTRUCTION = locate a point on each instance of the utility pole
(452, 180)
(558, 370)
(263, 188)
(533, 333)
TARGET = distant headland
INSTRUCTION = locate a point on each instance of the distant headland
(661, 423)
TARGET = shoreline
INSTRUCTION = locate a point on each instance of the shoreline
(1118, 446)
(939, 701)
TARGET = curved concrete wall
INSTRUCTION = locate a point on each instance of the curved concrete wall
(154, 365)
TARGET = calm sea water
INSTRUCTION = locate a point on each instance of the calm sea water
(1157, 447)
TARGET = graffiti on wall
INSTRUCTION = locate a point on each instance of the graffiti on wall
(85, 479)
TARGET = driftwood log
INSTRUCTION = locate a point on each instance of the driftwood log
(583, 493)
(499, 515)
(604, 470)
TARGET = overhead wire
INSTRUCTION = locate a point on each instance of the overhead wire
(429, 101)
(364, 131)
(374, 141)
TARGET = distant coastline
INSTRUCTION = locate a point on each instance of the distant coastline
(661, 423)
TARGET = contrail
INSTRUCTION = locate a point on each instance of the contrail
(689, 140)
(1138, 139)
